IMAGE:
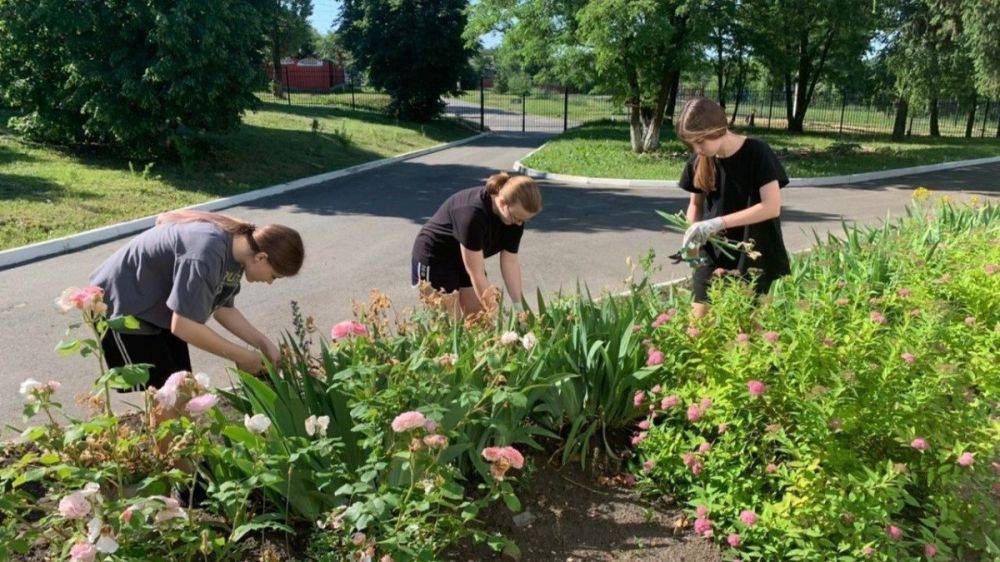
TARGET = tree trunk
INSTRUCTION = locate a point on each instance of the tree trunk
(636, 130)
(935, 130)
(739, 94)
(652, 140)
(668, 112)
(970, 123)
(277, 86)
(720, 72)
(899, 125)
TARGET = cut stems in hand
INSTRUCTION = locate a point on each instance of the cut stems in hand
(677, 222)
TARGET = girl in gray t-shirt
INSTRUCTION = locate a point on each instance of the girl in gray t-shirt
(176, 275)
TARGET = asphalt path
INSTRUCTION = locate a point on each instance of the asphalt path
(359, 230)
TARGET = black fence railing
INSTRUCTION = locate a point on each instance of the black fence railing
(558, 109)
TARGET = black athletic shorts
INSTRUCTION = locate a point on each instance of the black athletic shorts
(442, 277)
(166, 352)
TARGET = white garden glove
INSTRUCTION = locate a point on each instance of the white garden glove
(699, 233)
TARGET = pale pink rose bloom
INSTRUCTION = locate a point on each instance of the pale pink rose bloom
(654, 357)
(508, 454)
(694, 413)
(966, 459)
(638, 398)
(893, 531)
(171, 509)
(771, 337)
(920, 444)
(201, 404)
(756, 388)
(669, 402)
(83, 552)
(407, 421)
(748, 518)
(930, 550)
(436, 441)
(54, 385)
(74, 506)
(347, 329)
(733, 540)
(166, 395)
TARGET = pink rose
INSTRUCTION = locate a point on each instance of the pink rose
(703, 527)
(920, 444)
(347, 329)
(733, 540)
(407, 421)
(966, 459)
(201, 404)
(930, 550)
(756, 388)
(83, 552)
(748, 518)
(74, 506)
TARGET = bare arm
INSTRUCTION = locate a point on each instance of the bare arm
(205, 338)
(475, 264)
(237, 324)
(695, 207)
(510, 268)
(768, 208)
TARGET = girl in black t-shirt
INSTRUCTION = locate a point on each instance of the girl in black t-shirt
(734, 182)
(450, 251)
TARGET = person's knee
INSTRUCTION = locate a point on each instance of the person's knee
(699, 309)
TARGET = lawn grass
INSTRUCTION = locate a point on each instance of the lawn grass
(50, 192)
(602, 150)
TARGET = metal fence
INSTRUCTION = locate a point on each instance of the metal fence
(558, 109)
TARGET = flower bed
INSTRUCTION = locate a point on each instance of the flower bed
(852, 413)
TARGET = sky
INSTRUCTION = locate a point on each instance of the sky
(326, 11)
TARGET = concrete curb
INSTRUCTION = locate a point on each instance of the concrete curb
(24, 254)
(811, 182)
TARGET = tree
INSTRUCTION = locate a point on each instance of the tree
(981, 20)
(330, 46)
(413, 49)
(288, 29)
(136, 76)
(799, 41)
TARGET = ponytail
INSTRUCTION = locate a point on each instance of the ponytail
(283, 245)
(516, 190)
(704, 174)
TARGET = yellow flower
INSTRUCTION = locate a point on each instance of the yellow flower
(921, 193)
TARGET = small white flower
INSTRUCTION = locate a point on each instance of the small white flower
(107, 543)
(259, 423)
(203, 380)
(529, 340)
(28, 387)
(94, 528)
(509, 338)
(311, 425)
(322, 423)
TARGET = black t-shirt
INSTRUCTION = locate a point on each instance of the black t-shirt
(738, 180)
(465, 218)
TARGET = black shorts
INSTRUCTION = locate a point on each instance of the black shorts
(166, 352)
(442, 277)
(703, 275)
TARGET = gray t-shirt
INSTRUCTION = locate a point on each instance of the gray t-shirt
(186, 268)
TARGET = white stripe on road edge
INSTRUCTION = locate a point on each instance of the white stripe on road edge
(17, 256)
(848, 179)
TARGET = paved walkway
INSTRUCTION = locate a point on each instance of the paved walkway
(359, 230)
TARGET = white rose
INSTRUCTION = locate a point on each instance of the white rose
(509, 338)
(259, 423)
(529, 340)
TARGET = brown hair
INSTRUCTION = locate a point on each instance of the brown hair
(702, 119)
(517, 190)
(282, 245)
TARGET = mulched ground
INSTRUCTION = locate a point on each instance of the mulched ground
(581, 517)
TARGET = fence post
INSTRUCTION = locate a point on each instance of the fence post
(843, 106)
(482, 104)
(523, 96)
(998, 119)
(565, 108)
(770, 107)
(352, 92)
(986, 115)
(288, 85)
